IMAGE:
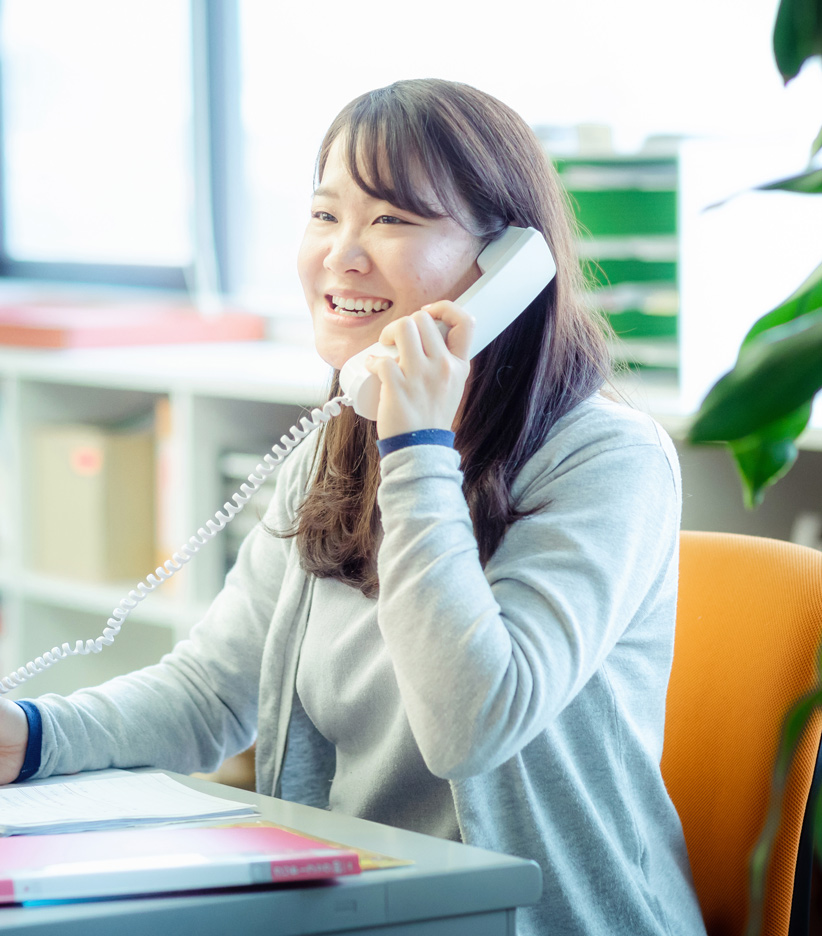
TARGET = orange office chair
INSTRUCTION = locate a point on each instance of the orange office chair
(749, 624)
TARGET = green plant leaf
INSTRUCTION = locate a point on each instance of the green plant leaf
(763, 458)
(797, 35)
(807, 183)
(816, 146)
(776, 372)
(806, 298)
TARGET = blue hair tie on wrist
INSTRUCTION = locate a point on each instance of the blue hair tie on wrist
(31, 764)
(418, 437)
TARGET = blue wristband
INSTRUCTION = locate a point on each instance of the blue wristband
(419, 437)
(34, 747)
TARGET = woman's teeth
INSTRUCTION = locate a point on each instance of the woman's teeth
(359, 307)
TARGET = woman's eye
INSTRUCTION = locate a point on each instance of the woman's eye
(389, 219)
(323, 216)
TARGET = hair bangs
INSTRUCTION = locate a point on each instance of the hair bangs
(390, 157)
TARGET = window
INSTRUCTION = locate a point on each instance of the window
(97, 130)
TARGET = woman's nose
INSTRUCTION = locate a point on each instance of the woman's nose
(347, 254)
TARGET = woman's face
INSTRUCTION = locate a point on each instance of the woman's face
(364, 263)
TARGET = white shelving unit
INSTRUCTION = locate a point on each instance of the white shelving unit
(222, 397)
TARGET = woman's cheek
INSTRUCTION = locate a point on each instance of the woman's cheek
(303, 264)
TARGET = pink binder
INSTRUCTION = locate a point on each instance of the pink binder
(162, 860)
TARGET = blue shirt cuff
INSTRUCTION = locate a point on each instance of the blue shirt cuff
(419, 437)
(35, 743)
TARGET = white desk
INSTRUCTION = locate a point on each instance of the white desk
(450, 890)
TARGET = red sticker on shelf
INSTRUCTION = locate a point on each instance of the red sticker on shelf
(87, 460)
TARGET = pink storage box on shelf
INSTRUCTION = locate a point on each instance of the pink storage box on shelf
(65, 326)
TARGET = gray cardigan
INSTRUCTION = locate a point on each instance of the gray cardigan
(535, 686)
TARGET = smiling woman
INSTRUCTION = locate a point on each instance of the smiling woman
(463, 624)
(421, 150)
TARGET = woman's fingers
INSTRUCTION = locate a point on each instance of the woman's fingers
(459, 323)
(432, 344)
(419, 333)
(422, 388)
(405, 334)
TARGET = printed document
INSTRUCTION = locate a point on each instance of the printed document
(116, 800)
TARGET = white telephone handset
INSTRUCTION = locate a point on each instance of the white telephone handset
(515, 269)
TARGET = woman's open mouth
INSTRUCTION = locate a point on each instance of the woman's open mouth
(359, 307)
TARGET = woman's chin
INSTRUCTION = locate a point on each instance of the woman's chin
(334, 356)
(337, 352)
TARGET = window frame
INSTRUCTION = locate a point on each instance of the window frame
(216, 157)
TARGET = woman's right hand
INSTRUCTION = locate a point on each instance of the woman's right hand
(14, 736)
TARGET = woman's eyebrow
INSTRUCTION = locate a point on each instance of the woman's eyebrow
(324, 192)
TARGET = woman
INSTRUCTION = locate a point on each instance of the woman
(465, 628)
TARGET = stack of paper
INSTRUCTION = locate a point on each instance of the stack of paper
(116, 800)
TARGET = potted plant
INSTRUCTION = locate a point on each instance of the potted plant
(783, 353)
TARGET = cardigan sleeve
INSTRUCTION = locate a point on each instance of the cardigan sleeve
(487, 658)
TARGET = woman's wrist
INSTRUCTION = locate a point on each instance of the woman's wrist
(14, 734)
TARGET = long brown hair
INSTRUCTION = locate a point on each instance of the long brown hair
(488, 171)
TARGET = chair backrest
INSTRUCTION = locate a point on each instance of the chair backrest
(749, 623)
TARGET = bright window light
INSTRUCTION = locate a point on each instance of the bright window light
(97, 127)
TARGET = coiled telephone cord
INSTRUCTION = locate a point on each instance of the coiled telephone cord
(269, 464)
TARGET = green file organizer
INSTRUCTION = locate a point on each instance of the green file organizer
(626, 207)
